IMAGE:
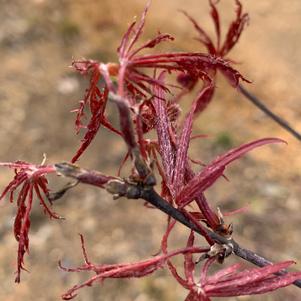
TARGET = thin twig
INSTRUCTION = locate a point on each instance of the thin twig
(248, 255)
(258, 103)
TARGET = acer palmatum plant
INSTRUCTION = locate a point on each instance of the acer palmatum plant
(142, 88)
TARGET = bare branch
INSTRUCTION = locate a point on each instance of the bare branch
(258, 103)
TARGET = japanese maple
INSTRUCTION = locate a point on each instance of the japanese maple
(142, 88)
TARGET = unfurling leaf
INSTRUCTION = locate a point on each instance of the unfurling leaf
(30, 179)
(215, 169)
(121, 270)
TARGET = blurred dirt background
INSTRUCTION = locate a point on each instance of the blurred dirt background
(39, 38)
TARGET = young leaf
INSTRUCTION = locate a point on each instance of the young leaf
(215, 169)
(96, 99)
(123, 270)
(229, 282)
(164, 132)
(30, 179)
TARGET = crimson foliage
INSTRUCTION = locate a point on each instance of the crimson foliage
(140, 86)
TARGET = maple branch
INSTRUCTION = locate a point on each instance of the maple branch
(155, 199)
(120, 187)
(258, 103)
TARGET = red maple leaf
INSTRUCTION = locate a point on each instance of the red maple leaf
(30, 180)
(121, 270)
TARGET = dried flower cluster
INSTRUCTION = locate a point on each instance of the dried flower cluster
(140, 86)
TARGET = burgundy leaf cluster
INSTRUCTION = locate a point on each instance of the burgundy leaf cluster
(30, 180)
(129, 80)
(229, 281)
(157, 140)
(216, 49)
